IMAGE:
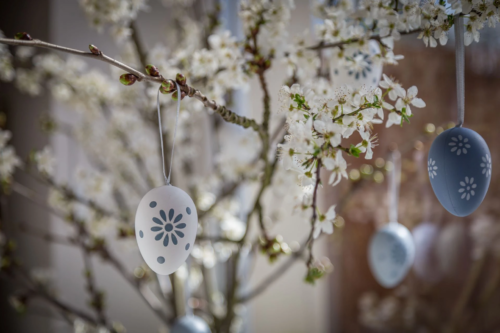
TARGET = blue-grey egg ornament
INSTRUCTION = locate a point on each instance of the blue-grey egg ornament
(190, 324)
(390, 254)
(459, 167)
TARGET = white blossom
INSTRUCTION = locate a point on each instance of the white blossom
(45, 161)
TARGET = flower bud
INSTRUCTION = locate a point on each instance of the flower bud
(23, 36)
(128, 79)
(181, 79)
(168, 86)
(175, 95)
(94, 49)
(152, 70)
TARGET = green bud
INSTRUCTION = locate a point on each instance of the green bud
(175, 95)
(181, 79)
(128, 79)
(22, 36)
(94, 49)
(152, 70)
(168, 86)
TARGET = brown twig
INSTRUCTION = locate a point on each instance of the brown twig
(323, 45)
(310, 241)
(225, 113)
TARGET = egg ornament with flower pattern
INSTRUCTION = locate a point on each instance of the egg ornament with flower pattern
(459, 167)
(391, 254)
(357, 68)
(190, 324)
(165, 226)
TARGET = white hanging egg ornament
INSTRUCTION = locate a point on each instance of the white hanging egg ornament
(190, 324)
(357, 68)
(165, 226)
(459, 167)
(391, 253)
(426, 237)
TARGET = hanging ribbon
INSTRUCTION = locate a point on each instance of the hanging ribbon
(459, 63)
(394, 183)
(167, 179)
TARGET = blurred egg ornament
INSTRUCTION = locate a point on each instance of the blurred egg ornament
(425, 237)
(390, 254)
(453, 251)
(357, 68)
(459, 166)
(190, 324)
(166, 223)
(391, 251)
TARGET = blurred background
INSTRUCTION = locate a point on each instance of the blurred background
(456, 275)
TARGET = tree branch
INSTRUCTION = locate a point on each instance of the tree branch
(323, 45)
(225, 113)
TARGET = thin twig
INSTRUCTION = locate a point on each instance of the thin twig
(225, 113)
(314, 214)
(323, 45)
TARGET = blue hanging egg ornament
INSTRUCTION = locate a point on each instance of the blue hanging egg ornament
(391, 253)
(190, 324)
(459, 167)
(459, 162)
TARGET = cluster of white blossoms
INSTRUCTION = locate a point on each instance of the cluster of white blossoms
(432, 19)
(270, 19)
(117, 13)
(116, 126)
(318, 124)
(8, 158)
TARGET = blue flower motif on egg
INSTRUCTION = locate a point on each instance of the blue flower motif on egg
(459, 167)
(168, 227)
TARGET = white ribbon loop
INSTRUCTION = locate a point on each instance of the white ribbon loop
(167, 179)
(394, 183)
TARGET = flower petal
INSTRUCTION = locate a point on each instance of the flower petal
(178, 218)
(163, 216)
(174, 239)
(159, 236)
(170, 214)
(181, 226)
(180, 234)
(412, 91)
(418, 102)
(165, 241)
(156, 228)
(157, 221)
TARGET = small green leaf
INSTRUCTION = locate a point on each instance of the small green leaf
(354, 151)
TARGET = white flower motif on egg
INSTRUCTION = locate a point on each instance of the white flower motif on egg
(467, 188)
(432, 167)
(459, 145)
(486, 165)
